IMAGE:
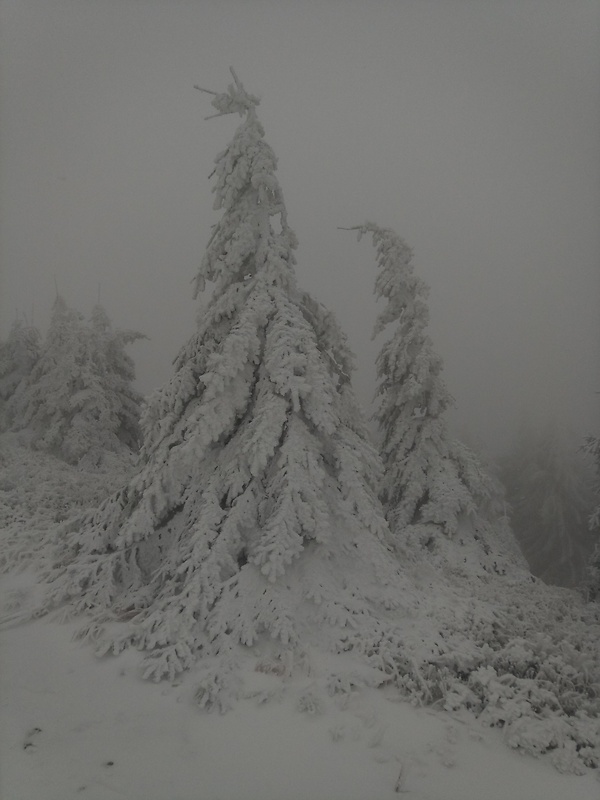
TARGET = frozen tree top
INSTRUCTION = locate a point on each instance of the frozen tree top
(235, 100)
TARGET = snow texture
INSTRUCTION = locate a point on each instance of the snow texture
(72, 725)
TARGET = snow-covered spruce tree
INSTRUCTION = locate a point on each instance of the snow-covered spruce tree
(18, 354)
(254, 516)
(77, 400)
(549, 489)
(44, 403)
(433, 484)
(116, 369)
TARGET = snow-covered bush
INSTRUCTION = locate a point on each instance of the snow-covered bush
(38, 492)
(529, 665)
(251, 539)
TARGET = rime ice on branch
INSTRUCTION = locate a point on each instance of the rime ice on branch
(255, 510)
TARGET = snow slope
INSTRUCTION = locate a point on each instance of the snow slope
(74, 726)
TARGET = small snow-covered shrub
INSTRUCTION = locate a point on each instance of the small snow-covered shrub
(310, 703)
(220, 686)
(530, 666)
(38, 492)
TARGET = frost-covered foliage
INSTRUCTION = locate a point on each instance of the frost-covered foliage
(78, 400)
(524, 658)
(38, 492)
(255, 510)
(119, 404)
(521, 656)
(18, 354)
(549, 488)
(432, 483)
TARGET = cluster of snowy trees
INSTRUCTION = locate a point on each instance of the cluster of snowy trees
(260, 505)
(74, 392)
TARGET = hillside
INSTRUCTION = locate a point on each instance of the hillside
(516, 676)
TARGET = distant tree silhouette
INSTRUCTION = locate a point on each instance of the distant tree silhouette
(18, 354)
(549, 487)
(78, 401)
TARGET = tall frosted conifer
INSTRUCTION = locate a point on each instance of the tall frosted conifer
(432, 482)
(255, 510)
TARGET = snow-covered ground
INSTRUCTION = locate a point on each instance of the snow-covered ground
(75, 726)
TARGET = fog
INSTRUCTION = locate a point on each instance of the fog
(471, 128)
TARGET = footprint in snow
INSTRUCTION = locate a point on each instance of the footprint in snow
(29, 743)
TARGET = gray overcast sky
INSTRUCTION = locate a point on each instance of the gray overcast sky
(472, 127)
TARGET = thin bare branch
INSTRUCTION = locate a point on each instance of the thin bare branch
(208, 91)
(238, 82)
